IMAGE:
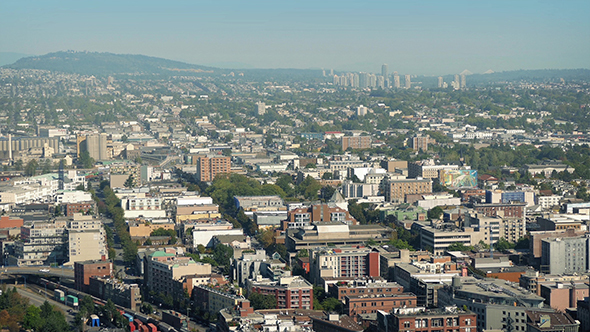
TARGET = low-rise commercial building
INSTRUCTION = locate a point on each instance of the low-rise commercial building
(126, 295)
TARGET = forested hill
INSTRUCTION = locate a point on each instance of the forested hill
(102, 64)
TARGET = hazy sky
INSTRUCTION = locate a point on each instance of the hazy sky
(414, 37)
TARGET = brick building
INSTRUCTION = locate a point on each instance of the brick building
(359, 287)
(81, 207)
(211, 165)
(343, 262)
(9, 222)
(396, 190)
(83, 271)
(501, 209)
(290, 292)
(452, 319)
(369, 304)
(356, 142)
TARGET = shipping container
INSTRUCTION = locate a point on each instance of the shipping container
(72, 301)
(129, 317)
(152, 327)
(59, 295)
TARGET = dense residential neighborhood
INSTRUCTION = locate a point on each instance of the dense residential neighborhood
(324, 201)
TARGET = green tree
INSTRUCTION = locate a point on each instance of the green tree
(18, 165)
(331, 304)
(32, 319)
(435, 213)
(303, 253)
(53, 320)
(503, 245)
(31, 167)
(223, 254)
(260, 301)
(129, 183)
(285, 182)
(85, 160)
(458, 246)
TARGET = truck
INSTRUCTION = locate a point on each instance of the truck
(72, 301)
(59, 295)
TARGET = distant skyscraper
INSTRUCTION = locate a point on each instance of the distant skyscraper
(463, 81)
(440, 82)
(384, 70)
(363, 80)
(324, 72)
(335, 80)
(356, 81)
(380, 82)
(396, 83)
(372, 79)
(344, 80)
(361, 111)
(456, 83)
(408, 82)
(261, 108)
(331, 72)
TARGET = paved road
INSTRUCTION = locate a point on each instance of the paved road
(55, 272)
(38, 299)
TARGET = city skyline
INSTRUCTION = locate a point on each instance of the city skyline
(427, 38)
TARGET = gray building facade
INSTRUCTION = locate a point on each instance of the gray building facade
(565, 255)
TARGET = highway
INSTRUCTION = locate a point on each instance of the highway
(53, 272)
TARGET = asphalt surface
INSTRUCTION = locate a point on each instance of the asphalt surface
(54, 272)
(37, 299)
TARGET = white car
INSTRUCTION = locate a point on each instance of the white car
(44, 270)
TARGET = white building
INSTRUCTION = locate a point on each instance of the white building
(86, 239)
(147, 207)
(75, 196)
(203, 233)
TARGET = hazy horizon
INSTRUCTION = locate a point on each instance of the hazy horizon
(419, 38)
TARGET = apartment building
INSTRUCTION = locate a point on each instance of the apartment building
(216, 298)
(86, 239)
(164, 270)
(517, 210)
(396, 190)
(566, 255)
(291, 292)
(343, 262)
(362, 287)
(356, 142)
(208, 166)
(42, 243)
(431, 320)
(371, 304)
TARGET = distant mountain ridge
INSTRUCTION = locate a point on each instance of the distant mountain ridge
(95, 63)
(104, 64)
